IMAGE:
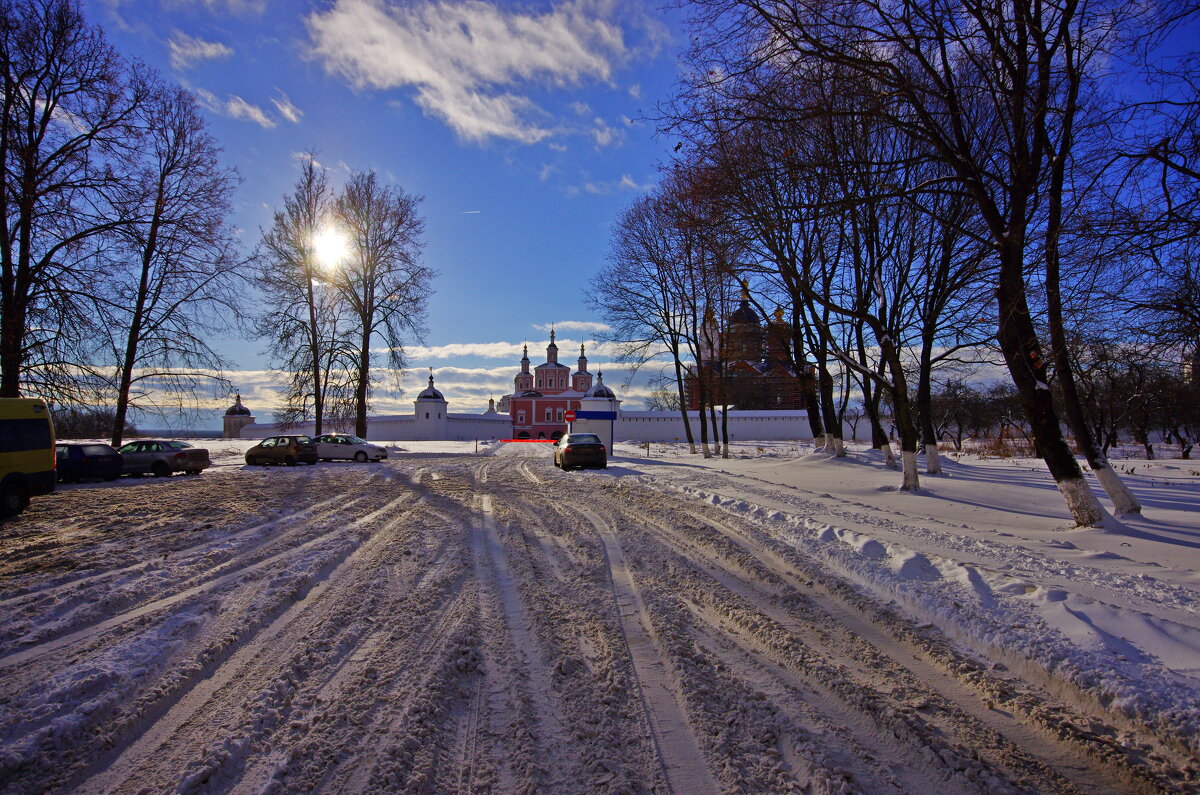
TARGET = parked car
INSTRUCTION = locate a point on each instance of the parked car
(26, 453)
(580, 450)
(162, 457)
(290, 450)
(79, 461)
(343, 445)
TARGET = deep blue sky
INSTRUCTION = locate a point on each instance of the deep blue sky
(523, 126)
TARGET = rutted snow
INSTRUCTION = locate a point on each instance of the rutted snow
(483, 622)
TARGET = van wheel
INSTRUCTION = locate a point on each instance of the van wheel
(360, 457)
(160, 470)
(12, 499)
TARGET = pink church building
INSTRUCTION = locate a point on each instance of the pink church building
(541, 397)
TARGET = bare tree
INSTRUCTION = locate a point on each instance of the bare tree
(68, 103)
(382, 282)
(638, 293)
(994, 91)
(175, 283)
(302, 317)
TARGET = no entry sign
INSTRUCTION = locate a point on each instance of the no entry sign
(569, 416)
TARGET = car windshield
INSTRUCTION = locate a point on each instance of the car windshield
(583, 438)
(98, 449)
(355, 440)
(178, 445)
(129, 448)
(302, 440)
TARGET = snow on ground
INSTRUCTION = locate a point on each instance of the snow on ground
(463, 619)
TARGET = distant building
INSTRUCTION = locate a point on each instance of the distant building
(540, 398)
(751, 367)
(431, 420)
(237, 417)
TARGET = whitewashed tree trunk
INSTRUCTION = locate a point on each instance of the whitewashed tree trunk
(1122, 498)
(910, 480)
(826, 443)
(839, 448)
(1084, 507)
(933, 461)
(705, 450)
(889, 458)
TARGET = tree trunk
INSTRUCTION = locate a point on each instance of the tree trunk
(909, 479)
(1018, 342)
(315, 352)
(683, 404)
(1122, 498)
(833, 431)
(725, 431)
(125, 383)
(364, 380)
(929, 437)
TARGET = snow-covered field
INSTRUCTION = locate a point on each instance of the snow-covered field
(454, 621)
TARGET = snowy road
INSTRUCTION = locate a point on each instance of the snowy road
(461, 623)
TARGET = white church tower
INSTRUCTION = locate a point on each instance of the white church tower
(431, 418)
(598, 413)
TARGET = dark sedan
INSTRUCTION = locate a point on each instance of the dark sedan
(162, 457)
(580, 450)
(78, 461)
(290, 450)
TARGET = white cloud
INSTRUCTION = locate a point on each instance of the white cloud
(286, 109)
(486, 350)
(185, 51)
(238, 108)
(235, 7)
(470, 62)
(603, 134)
(635, 91)
(581, 108)
(626, 182)
(235, 108)
(574, 325)
(547, 172)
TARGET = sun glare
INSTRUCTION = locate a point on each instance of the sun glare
(330, 248)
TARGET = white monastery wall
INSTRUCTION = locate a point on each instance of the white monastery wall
(667, 426)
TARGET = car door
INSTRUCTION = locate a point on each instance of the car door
(134, 457)
(327, 446)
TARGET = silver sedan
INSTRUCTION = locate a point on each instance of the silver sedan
(345, 446)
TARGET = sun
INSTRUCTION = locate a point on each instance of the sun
(330, 248)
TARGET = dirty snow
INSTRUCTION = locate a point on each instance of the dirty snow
(454, 620)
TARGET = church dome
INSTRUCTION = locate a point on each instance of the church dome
(237, 409)
(430, 393)
(745, 315)
(600, 390)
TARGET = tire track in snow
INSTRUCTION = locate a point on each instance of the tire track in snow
(1031, 739)
(683, 763)
(24, 594)
(358, 708)
(232, 561)
(541, 710)
(147, 608)
(173, 714)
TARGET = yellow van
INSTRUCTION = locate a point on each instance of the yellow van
(27, 461)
